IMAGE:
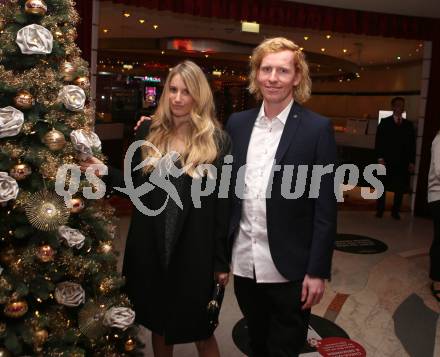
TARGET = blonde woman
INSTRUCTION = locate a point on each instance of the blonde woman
(173, 259)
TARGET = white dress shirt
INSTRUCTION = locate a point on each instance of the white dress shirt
(251, 246)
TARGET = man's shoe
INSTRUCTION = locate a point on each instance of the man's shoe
(395, 215)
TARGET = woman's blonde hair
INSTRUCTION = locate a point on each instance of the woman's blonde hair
(272, 45)
(201, 146)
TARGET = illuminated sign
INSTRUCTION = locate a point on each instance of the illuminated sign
(150, 79)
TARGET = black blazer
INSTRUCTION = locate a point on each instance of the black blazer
(301, 231)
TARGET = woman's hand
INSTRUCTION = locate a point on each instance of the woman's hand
(140, 121)
(222, 278)
(84, 165)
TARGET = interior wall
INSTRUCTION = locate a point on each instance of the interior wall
(365, 96)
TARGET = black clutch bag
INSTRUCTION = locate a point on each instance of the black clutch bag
(214, 305)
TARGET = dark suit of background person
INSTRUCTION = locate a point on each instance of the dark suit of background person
(300, 231)
(396, 148)
(434, 205)
(170, 259)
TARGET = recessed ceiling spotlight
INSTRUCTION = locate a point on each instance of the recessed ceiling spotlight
(306, 38)
(328, 37)
(141, 21)
(126, 14)
(323, 49)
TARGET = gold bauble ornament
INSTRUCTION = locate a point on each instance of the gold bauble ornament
(54, 140)
(45, 253)
(68, 69)
(20, 171)
(46, 210)
(77, 205)
(35, 7)
(24, 100)
(82, 82)
(7, 255)
(40, 336)
(4, 352)
(130, 345)
(16, 309)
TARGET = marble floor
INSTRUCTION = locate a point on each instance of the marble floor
(382, 301)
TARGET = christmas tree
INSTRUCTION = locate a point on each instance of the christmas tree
(59, 288)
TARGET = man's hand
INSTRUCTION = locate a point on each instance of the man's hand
(222, 278)
(312, 291)
(140, 121)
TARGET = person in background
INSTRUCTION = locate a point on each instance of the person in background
(395, 148)
(173, 259)
(434, 205)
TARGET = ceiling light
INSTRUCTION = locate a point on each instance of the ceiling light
(344, 50)
(141, 21)
(126, 14)
(410, 55)
(206, 56)
(301, 48)
(398, 58)
(162, 52)
(155, 27)
(417, 50)
(105, 30)
(328, 37)
(420, 44)
(253, 27)
(306, 38)
(323, 49)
